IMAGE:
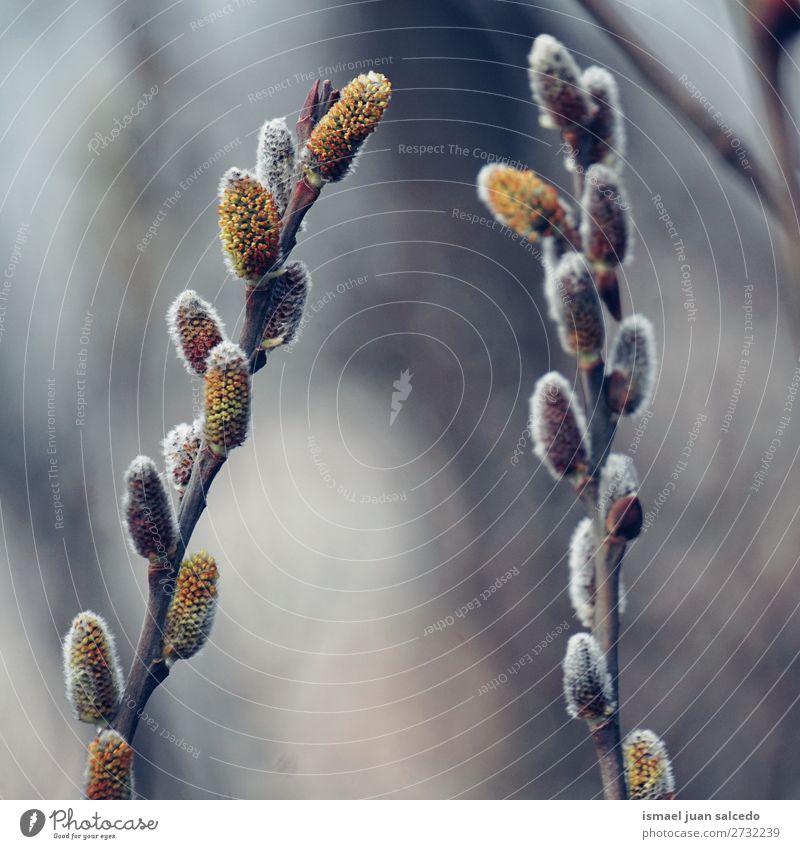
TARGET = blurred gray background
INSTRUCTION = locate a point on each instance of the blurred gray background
(341, 539)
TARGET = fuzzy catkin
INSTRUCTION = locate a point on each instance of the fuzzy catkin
(587, 684)
(337, 138)
(191, 610)
(249, 225)
(576, 308)
(275, 165)
(582, 549)
(109, 771)
(195, 328)
(648, 771)
(581, 572)
(91, 669)
(149, 515)
(605, 226)
(520, 200)
(618, 479)
(558, 425)
(604, 139)
(555, 84)
(227, 398)
(287, 299)
(632, 366)
(180, 447)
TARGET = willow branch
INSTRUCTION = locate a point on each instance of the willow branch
(682, 102)
(149, 668)
(607, 737)
(602, 425)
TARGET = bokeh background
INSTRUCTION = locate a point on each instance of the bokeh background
(342, 539)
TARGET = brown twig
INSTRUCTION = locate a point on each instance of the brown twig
(602, 425)
(149, 668)
(767, 52)
(608, 739)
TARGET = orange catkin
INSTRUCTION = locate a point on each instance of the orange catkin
(91, 669)
(110, 767)
(195, 328)
(249, 225)
(227, 398)
(520, 200)
(191, 611)
(338, 136)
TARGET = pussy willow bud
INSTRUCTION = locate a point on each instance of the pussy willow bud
(582, 549)
(109, 771)
(287, 299)
(605, 232)
(575, 307)
(605, 229)
(587, 684)
(191, 611)
(555, 84)
(227, 398)
(618, 499)
(149, 515)
(648, 771)
(560, 439)
(581, 572)
(195, 328)
(275, 166)
(91, 669)
(180, 449)
(632, 366)
(604, 139)
(340, 133)
(522, 201)
(249, 225)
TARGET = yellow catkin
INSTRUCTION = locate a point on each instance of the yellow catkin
(91, 669)
(110, 767)
(340, 133)
(249, 225)
(522, 201)
(227, 398)
(648, 772)
(191, 611)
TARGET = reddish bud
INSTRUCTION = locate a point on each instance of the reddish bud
(555, 84)
(558, 425)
